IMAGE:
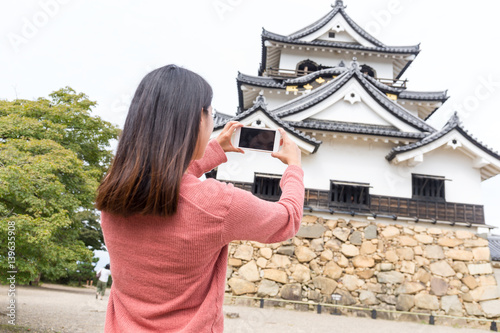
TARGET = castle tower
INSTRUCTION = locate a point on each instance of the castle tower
(368, 150)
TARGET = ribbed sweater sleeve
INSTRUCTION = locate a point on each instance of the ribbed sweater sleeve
(250, 218)
(214, 156)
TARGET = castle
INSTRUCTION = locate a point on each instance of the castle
(392, 205)
(368, 150)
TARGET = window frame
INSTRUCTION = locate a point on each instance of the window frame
(273, 180)
(435, 192)
(363, 190)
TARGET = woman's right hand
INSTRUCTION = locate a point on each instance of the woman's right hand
(289, 152)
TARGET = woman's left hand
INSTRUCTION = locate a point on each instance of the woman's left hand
(224, 138)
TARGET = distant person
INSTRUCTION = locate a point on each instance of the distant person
(102, 281)
(165, 229)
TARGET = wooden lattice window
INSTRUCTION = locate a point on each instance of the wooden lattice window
(349, 193)
(428, 187)
(267, 186)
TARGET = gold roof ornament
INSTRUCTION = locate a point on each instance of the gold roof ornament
(308, 87)
(292, 88)
(320, 80)
(392, 97)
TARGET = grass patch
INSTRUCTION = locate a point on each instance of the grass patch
(6, 328)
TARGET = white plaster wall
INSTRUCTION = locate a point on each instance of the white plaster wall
(346, 112)
(465, 186)
(339, 37)
(290, 58)
(362, 161)
(339, 25)
(275, 97)
(412, 108)
(366, 164)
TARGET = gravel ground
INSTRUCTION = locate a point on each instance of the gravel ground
(55, 308)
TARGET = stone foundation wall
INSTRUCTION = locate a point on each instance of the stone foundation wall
(407, 268)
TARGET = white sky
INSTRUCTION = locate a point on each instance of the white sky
(104, 48)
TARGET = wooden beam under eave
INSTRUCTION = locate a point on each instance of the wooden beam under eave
(416, 160)
(479, 163)
(485, 174)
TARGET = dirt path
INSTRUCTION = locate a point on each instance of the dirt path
(55, 308)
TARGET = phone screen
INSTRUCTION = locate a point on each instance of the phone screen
(255, 138)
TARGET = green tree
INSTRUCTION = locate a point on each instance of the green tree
(53, 153)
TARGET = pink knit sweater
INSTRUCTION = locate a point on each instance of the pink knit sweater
(169, 273)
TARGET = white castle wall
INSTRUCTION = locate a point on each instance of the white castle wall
(364, 161)
(276, 97)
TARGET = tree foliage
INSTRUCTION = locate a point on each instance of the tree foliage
(53, 153)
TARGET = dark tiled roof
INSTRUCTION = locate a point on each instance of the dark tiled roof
(384, 87)
(424, 95)
(339, 8)
(260, 104)
(409, 94)
(345, 127)
(494, 244)
(392, 106)
(319, 23)
(323, 92)
(267, 35)
(313, 76)
(221, 118)
(313, 98)
(402, 93)
(268, 82)
(260, 81)
(453, 124)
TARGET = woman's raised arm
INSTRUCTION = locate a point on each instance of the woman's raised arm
(215, 152)
(250, 218)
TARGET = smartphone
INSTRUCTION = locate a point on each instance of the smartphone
(255, 138)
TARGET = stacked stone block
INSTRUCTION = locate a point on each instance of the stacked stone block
(413, 268)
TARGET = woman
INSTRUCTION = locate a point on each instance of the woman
(102, 281)
(166, 231)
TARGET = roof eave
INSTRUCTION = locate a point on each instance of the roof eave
(445, 131)
(263, 54)
(407, 64)
(413, 49)
(420, 127)
(367, 133)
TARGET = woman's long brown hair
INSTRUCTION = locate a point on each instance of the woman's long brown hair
(157, 144)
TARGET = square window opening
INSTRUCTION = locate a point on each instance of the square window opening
(267, 186)
(347, 194)
(428, 187)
